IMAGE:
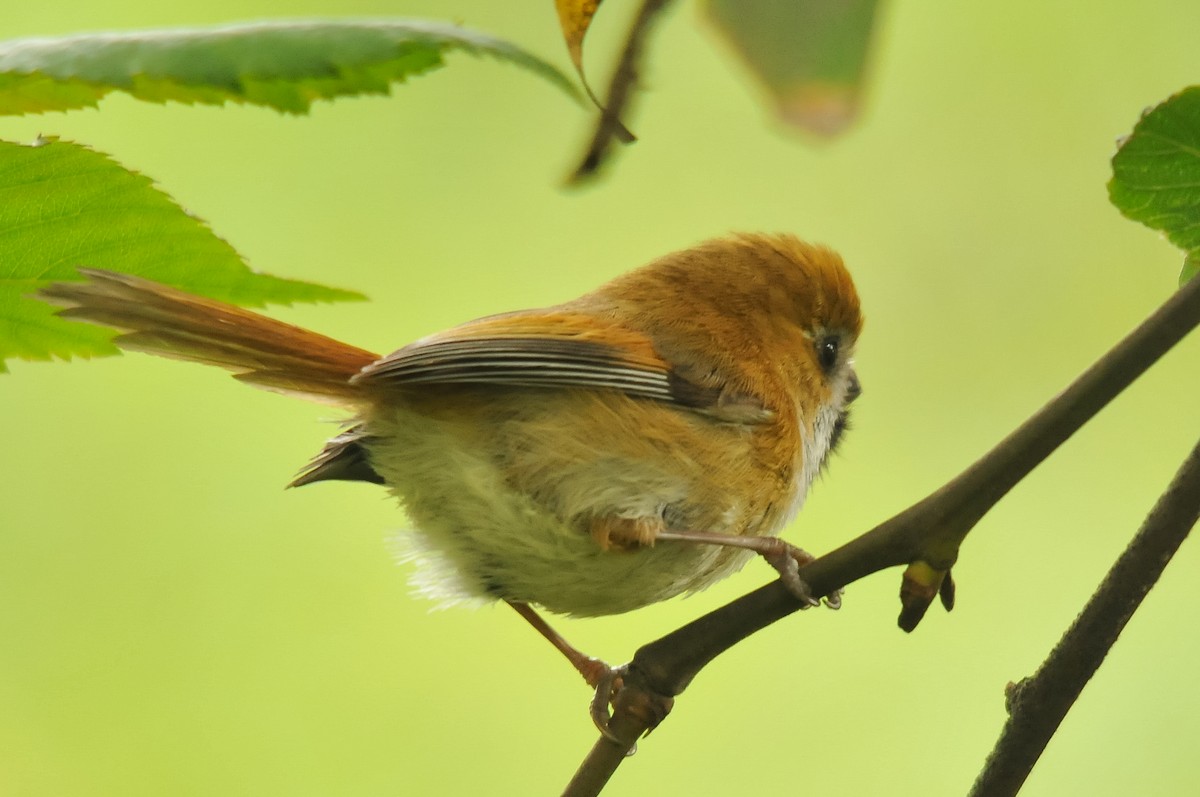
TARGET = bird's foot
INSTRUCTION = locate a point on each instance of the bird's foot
(607, 685)
(787, 559)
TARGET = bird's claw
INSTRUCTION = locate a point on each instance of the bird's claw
(607, 686)
(787, 559)
(787, 565)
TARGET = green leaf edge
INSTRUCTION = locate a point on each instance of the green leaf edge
(1117, 188)
(44, 85)
(96, 339)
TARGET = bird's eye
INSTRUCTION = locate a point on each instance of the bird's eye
(827, 352)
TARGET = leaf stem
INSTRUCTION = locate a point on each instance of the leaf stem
(620, 89)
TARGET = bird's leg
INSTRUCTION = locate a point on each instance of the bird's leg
(592, 670)
(600, 676)
(783, 556)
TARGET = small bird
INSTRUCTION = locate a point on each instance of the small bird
(639, 442)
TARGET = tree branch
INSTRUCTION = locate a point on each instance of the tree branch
(1037, 705)
(926, 536)
(619, 90)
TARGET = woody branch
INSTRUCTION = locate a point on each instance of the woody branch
(926, 537)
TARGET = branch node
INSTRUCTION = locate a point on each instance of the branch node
(646, 706)
(921, 583)
(947, 592)
(1014, 693)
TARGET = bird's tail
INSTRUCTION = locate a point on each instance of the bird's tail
(168, 322)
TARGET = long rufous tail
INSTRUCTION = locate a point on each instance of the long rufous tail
(171, 323)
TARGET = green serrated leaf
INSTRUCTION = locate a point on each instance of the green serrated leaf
(285, 64)
(63, 205)
(1156, 174)
(810, 54)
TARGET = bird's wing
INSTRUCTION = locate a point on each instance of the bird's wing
(546, 348)
(530, 349)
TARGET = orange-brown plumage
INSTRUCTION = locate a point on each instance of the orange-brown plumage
(541, 454)
(261, 351)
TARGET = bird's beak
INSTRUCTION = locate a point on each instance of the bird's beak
(854, 389)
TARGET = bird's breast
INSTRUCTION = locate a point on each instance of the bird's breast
(501, 495)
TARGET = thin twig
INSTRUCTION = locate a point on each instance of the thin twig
(929, 531)
(620, 88)
(1038, 704)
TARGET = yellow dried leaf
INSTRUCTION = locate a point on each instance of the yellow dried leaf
(575, 16)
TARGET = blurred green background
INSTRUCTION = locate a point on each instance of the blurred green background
(172, 622)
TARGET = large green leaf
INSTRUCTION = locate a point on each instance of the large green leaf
(63, 205)
(284, 64)
(1156, 174)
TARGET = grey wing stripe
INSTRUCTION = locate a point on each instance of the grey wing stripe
(466, 366)
(517, 361)
(653, 388)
